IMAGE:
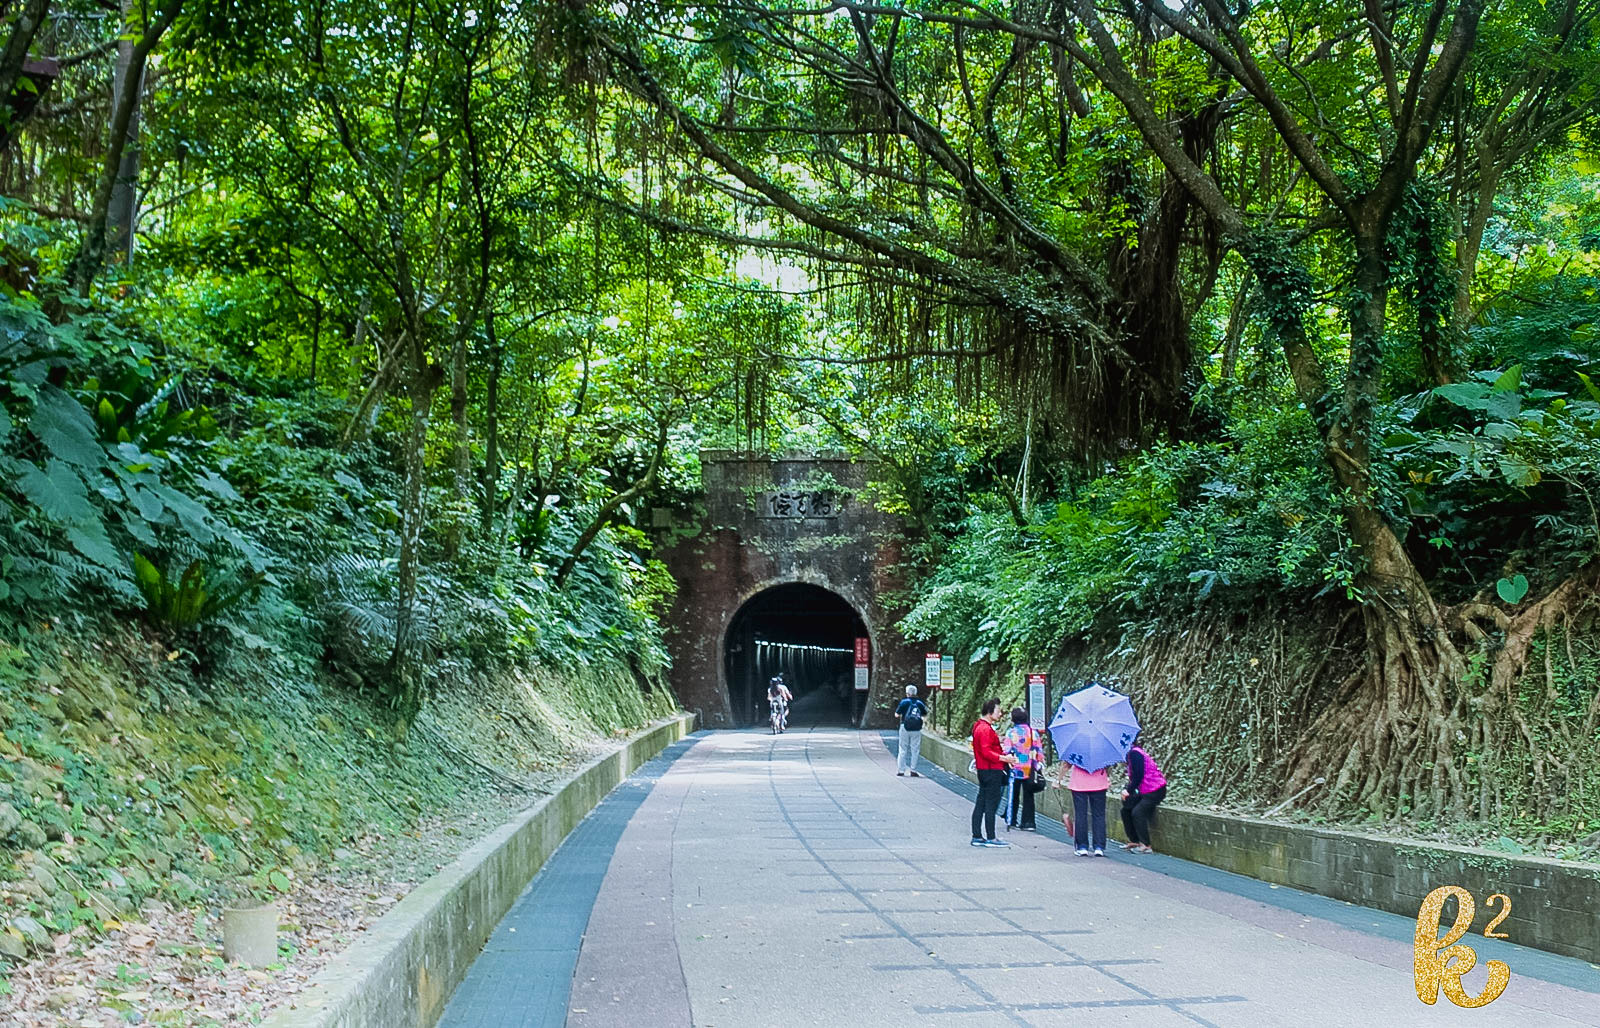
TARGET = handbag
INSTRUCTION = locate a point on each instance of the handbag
(1036, 784)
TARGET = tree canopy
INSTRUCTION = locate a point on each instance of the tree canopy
(1148, 305)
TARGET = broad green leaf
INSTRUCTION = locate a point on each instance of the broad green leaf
(216, 485)
(65, 428)
(1470, 395)
(194, 518)
(1512, 379)
(138, 527)
(1519, 472)
(1401, 438)
(90, 539)
(1504, 405)
(149, 580)
(1512, 589)
(145, 502)
(57, 491)
(1588, 383)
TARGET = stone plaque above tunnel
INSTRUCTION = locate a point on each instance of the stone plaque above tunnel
(788, 565)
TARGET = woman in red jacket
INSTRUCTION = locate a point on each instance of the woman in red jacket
(991, 763)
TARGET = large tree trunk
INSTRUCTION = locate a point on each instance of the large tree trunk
(489, 478)
(127, 89)
(1390, 738)
(460, 443)
(13, 59)
(91, 255)
(1145, 272)
(405, 671)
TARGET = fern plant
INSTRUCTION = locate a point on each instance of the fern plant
(189, 601)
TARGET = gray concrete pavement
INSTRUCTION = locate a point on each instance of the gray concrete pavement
(795, 880)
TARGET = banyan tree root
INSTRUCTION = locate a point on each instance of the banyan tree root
(1394, 739)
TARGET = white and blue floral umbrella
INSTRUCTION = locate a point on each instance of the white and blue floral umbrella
(1094, 727)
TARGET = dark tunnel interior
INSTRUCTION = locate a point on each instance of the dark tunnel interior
(805, 633)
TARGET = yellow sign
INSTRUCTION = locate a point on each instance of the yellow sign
(1439, 963)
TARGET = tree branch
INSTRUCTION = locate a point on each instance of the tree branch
(610, 507)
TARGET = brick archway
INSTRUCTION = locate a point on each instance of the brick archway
(769, 523)
(810, 631)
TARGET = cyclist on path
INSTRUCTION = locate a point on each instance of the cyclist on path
(778, 698)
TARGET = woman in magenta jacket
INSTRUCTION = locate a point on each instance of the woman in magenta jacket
(1147, 787)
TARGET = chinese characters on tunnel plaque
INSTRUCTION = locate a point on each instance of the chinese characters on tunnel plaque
(799, 504)
(1439, 963)
(863, 653)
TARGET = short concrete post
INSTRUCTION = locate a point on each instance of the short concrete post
(250, 935)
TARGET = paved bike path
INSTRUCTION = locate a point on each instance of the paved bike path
(794, 879)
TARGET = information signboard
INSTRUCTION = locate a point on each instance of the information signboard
(1038, 699)
(947, 672)
(930, 673)
(863, 655)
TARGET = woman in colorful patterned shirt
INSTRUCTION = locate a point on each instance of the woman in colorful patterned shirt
(1022, 740)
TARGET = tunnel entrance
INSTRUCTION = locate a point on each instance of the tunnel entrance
(805, 633)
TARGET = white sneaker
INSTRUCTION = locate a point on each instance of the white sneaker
(1083, 853)
(1099, 853)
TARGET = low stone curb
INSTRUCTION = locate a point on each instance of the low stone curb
(402, 970)
(1555, 904)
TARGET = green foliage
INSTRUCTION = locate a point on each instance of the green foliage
(98, 464)
(130, 770)
(190, 600)
(1472, 458)
(1182, 523)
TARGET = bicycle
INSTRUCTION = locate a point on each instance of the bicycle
(778, 716)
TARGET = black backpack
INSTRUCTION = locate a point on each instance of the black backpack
(913, 718)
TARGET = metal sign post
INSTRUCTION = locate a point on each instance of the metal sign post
(947, 680)
(863, 663)
(1038, 699)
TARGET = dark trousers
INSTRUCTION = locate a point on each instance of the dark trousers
(1021, 797)
(1137, 812)
(991, 785)
(1084, 806)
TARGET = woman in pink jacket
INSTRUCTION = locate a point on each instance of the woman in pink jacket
(1147, 787)
(1088, 801)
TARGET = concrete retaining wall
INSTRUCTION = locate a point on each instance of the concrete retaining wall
(404, 968)
(1555, 904)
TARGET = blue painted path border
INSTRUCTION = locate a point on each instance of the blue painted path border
(523, 977)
